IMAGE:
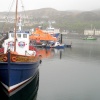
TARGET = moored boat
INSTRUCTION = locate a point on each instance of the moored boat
(52, 31)
(39, 38)
(31, 87)
(56, 45)
(90, 38)
(18, 64)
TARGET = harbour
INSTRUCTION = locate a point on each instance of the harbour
(59, 61)
(74, 75)
(70, 73)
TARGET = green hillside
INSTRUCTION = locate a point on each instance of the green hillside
(65, 20)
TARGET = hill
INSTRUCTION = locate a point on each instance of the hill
(65, 20)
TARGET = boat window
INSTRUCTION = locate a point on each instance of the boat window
(19, 35)
(50, 29)
(24, 35)
(12, 35)
(36, 34)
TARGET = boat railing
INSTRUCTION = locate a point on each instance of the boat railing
(19, 32)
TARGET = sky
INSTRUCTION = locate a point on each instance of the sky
(62, 5)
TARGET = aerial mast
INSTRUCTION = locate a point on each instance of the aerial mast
(15, 25)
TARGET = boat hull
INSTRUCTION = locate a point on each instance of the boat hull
(89, 39)
(57, 47)
(14, 75)
(56, 35)
(68, 46)
(31, 86)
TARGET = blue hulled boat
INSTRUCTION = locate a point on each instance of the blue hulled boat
(13, 73)
(56, 45)
(18, 64)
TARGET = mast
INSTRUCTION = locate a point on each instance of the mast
(15, 25)
(19, 23)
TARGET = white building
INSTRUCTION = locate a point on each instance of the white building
(92, 32)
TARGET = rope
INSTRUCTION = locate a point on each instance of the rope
(23, 9)
(10, 7)
(6, 20)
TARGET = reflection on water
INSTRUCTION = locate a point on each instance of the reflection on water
(45, 53)
(82, 50)
(29, 92)
(50, 53)
(72, 73)
(60, 54)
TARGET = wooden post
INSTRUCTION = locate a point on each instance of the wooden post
(61, 38)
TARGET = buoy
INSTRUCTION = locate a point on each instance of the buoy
(5, 59)
(14, 59)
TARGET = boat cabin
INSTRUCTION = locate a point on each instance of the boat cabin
(22, 42)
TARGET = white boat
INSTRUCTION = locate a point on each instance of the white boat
(56, 45)
(52, 31)
(18, 64)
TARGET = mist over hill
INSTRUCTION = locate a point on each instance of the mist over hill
(76, 21)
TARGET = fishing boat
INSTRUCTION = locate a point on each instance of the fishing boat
(91, 34)
(18, 64)
(52, 31)
(90, 38)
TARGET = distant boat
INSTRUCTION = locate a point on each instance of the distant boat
(90, 34)
(52, 31)
(39, 38)
(18, 64)
(56, 45)
(90, 38)
(40, 35)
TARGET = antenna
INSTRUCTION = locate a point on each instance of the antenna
(15, 25)
(19, 23)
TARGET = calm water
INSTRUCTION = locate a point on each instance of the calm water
(73, 76)
(70, 74)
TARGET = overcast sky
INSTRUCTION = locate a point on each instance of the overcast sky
(62, 5)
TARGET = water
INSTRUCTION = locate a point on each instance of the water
(72, 73)
(72, 76)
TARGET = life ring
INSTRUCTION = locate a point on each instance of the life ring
(5, 59)
(14, 59)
